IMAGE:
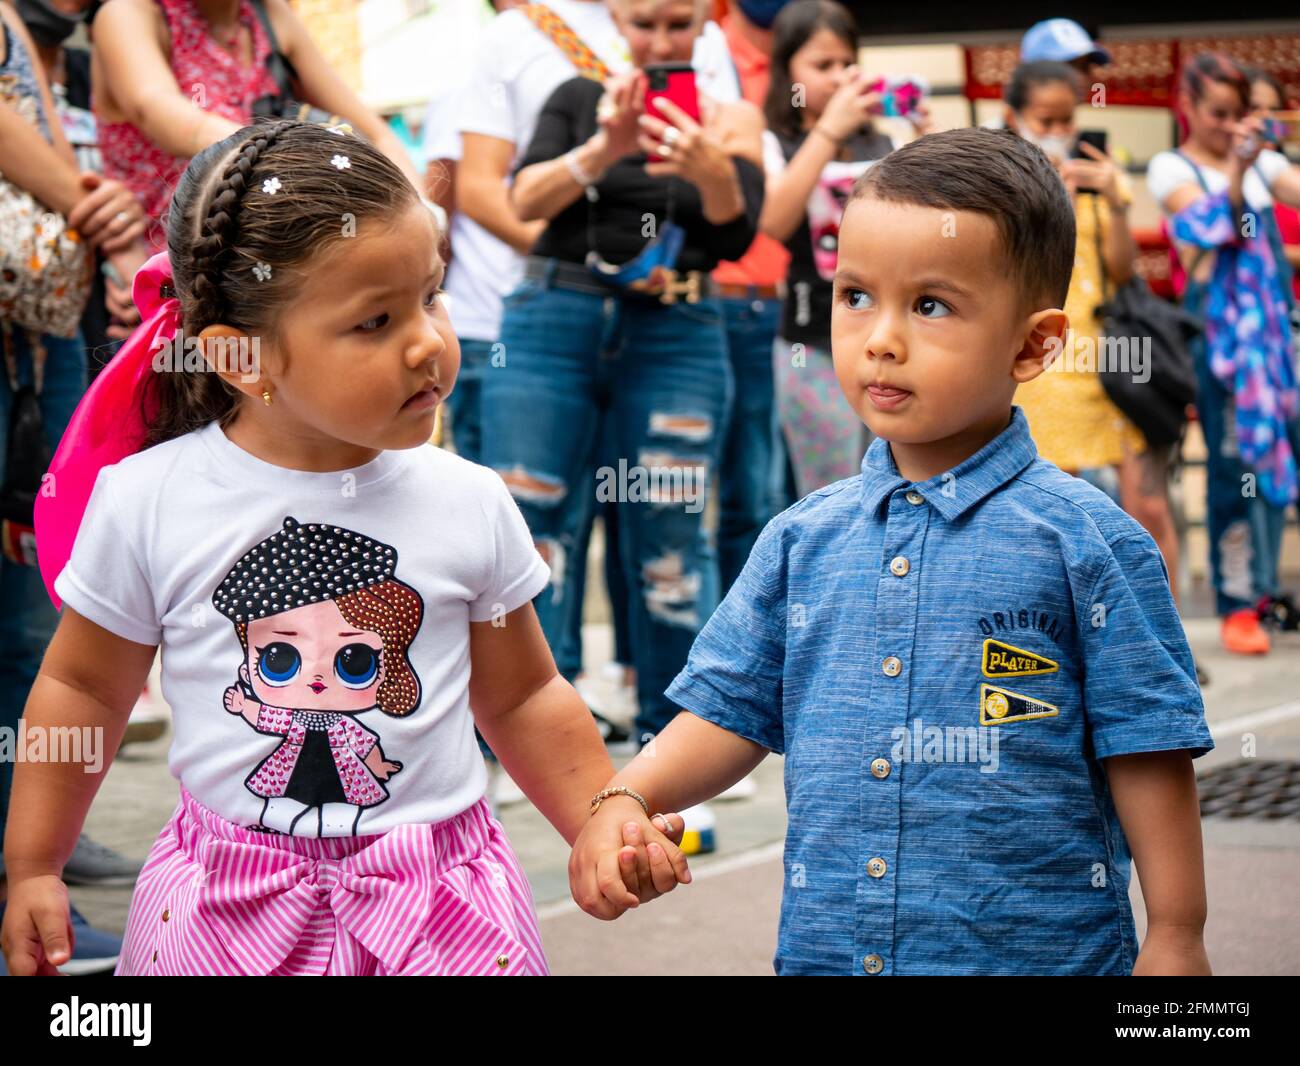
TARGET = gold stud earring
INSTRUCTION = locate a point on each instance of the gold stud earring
(266, 397)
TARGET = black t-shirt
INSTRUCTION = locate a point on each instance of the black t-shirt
(806, 316)
(627, 194)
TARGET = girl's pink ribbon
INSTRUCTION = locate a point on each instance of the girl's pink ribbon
(108, 424)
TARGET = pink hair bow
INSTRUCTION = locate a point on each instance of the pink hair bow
(109, 423)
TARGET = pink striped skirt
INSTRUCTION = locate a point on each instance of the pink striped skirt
(442, 899)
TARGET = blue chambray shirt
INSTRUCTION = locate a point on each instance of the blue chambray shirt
(943, 665)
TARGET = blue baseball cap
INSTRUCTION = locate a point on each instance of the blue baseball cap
(1063, 40)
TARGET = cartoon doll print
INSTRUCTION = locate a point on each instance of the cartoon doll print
(826, 204)
(325, 628)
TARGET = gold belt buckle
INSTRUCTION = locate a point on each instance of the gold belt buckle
(675, 285)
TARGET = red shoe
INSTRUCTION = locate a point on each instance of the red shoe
(1243, 635)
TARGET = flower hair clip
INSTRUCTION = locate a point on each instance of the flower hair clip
(271, 186)
(341, 161)
(262, 271)
(341, 129)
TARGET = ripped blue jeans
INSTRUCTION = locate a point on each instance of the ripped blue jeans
(661, 374)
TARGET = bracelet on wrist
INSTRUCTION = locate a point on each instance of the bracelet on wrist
(605, 793)
(577, 173)
(830, 137)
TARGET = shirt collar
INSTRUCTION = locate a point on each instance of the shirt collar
(955, 491)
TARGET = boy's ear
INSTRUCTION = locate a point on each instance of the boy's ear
(234, 356)
(1045, 333)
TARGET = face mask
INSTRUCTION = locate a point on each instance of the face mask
(1055, 147)
(49, 28)
(762, 13)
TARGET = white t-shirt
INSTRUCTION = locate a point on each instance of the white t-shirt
(355, 589)
(1168, 171)
(516, 71)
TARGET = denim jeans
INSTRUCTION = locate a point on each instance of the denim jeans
(466, 398)
(748, 450)
(1244, 531)
(660, 373)
(27, 618)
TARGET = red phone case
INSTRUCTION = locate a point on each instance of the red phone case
(676, 82)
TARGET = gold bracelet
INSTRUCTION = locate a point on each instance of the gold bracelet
(620, 790)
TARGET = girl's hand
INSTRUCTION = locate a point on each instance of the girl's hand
(596, 876)
(922, 121)
(1096, 174)
(37, 936)
(697, 155)
(109, 216)
(617, 115)
(1247, 142)
(851, 107)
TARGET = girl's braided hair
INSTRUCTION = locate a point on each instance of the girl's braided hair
(268, 196)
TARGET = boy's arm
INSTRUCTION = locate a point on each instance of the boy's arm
(1155, 797)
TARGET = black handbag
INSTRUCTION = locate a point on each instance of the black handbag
(1157, 406)
(27, 458)
(285, 104)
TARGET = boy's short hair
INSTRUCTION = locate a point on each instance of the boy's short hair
(995, 173)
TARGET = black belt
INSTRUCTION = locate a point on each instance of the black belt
(688, 286)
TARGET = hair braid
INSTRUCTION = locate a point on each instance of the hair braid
(219, 228)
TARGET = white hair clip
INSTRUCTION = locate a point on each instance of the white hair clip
(262, 271)
(341, 129)
(341, 161)
(271, 186)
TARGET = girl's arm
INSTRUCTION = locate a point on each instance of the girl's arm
(89, 680)
(787, 195)
(322, 87)
(1118, 246)
(1155, 797)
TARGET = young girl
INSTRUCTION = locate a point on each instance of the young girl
(332, 596)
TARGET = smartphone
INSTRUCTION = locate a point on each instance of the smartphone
(675, 82)
(1096, 138)
(900, 96)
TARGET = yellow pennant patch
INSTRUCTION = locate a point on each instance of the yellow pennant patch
(997, 706)
(1003, 660)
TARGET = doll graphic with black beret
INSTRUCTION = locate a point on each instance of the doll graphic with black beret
(325, 627)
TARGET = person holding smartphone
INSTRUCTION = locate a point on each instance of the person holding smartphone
(615, 316)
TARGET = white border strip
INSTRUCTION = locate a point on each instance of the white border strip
(1254, 719)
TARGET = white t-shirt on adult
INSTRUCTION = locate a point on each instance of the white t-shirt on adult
(1168, 171)
(355, 589)
(516, 70)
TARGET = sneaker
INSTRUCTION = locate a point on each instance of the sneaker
(93, 950)
(94, 864)
(1242, 634)
(742, 790)
(146, 723)
(699, 837)
(1278, 612)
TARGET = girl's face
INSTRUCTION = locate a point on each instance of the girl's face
(366, 350)
(1264, 99)
(819, 67)
(312, 659)
(1047, 118)
(1210, 120)
(658, 31)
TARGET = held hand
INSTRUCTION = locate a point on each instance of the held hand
(696, 154)
(109, 217)
(595, 875)
(643, 864)
(37, 936)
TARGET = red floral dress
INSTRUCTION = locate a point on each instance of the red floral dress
(213, 79)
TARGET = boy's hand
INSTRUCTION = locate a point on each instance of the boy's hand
(595, 875)
(1172, 953)
(644, 866)
(37, 936)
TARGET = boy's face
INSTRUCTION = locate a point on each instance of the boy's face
(928, 330)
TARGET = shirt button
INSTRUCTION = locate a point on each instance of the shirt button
(915, 497)
(880, 767)
(873, 963)
(503, 961)
(166, 915)
(876, 867)
(893, 666)
(899, 566)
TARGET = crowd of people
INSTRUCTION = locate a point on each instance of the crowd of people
(629, 287)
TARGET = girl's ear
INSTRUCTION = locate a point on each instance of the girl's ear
(234, 356)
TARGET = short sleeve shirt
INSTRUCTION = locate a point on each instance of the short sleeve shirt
(944, 666)
(314, 627)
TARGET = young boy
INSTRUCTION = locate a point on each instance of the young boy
(970, 660)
